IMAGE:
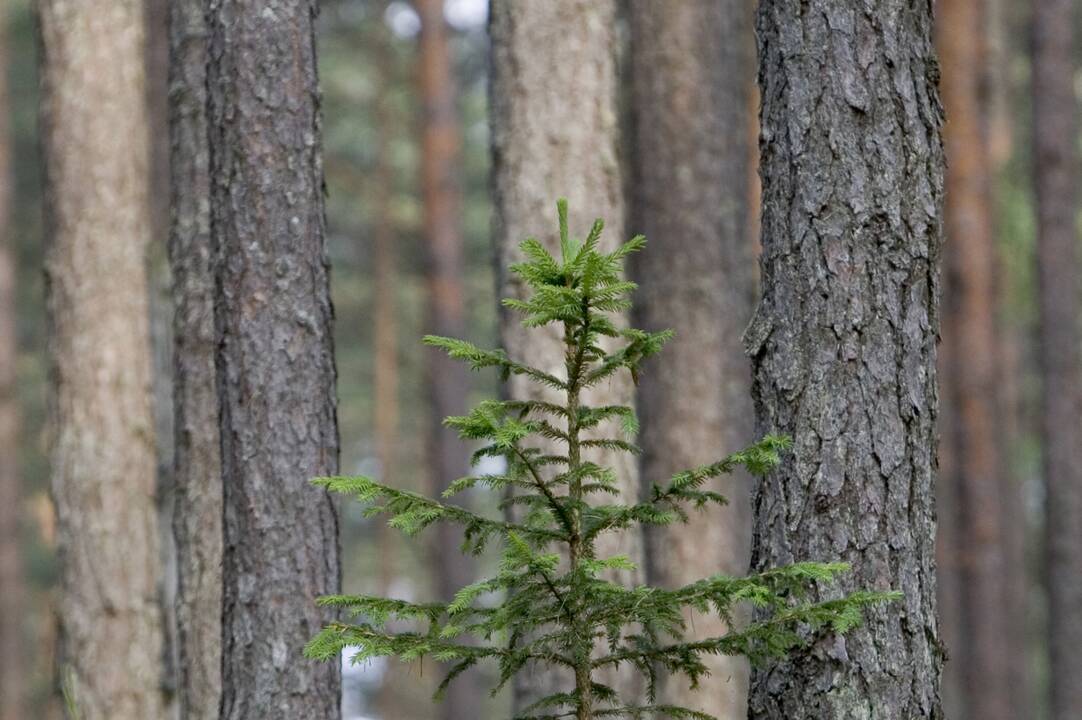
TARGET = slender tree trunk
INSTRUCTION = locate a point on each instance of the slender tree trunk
(161, 327)
(13, 651)
(971, 379)
(385, 314)
(1058, 270)
(94, 122)
(555, 132)
(197, 511)
(690, 62)
(275, 360)
(843, 343)
(448, 380)
(1013, 336)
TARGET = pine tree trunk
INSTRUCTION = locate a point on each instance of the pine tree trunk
(13, 651)
(385, 285)
(1058, 272)
(689, 64)
(159, 281)
(197, 512)
(970, 378)
(95, 143)
(275, 360)
(843, 343)
(555, 133)
(448, 380)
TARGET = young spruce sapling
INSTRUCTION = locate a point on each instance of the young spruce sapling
(553, 601)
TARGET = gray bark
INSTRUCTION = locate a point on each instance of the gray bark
(94, 122)
(555, 133)
(275, 361)
(1058, 270)
(197, 511)
(843, 342)
(689, 63)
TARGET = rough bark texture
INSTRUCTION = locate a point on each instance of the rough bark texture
(275, 360)
(95, 142)
(448, 380)
(13, 650)
(197, 510)
(689, 64)
(555, 133)
(971, 389)
(1056, 165)
(843, 342)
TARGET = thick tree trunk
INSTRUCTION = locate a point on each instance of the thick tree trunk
(197, 511)
(98, 222)
(13, 650)
(448, 380)
(843, 343)
(555, 133)
(689, 65)
(275, 360)
(970, 378)
(1056, 165)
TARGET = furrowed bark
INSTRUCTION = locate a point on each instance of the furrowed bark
(843, 342)
(689, 63)
(197, 514)
(94, 121)
(1055, 128)
(555, 133)
(275, 361)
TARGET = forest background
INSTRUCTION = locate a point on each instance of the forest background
(371, 70)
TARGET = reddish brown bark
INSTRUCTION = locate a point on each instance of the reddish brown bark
(980, 661)
(448, 380)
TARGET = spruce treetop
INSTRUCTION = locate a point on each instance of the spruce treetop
(553, 601)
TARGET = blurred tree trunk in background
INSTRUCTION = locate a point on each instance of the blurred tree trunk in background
(385, 307)
(13, 608)
(1055, 128)
(94, 123)
(843, 343)
(981, 653)
(448, 380)
(689, 63)
(197, 510)
(555, 133)
(275, 357)
(1012, 354)
(161, 326)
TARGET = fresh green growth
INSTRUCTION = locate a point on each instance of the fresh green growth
(553, 602)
